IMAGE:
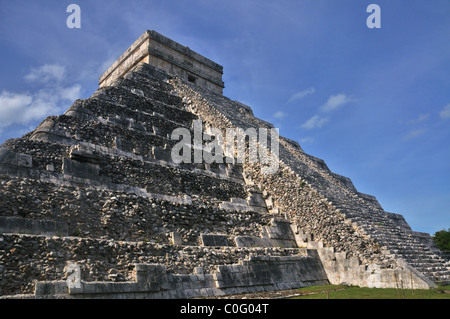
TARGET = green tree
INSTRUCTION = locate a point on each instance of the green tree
(442, 239)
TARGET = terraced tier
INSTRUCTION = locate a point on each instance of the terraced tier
(26, 259)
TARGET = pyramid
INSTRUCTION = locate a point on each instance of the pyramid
(93, 204)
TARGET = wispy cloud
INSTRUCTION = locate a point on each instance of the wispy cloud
(419, 119)
(46, 73)
(12, 106)
(70, 93)
(300, 95)
(307, 140)
(336, 101)
(414, 133)
(279, 115)
(445, 113)
(314, 122)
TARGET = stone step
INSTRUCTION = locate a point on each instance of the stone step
(153, 176)
(70, 130)
(118, 114)
(112, 261)
(126, 98)
(107, 213)
(154, 90)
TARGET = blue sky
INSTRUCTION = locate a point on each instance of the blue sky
(373, 103)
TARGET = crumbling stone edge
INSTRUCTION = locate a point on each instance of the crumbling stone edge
(151, 281)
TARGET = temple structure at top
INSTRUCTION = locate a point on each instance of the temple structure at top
(170, 56)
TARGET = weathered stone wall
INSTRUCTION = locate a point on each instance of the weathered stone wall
(152, 281)
(104, 213)
(133, 55)
(136, 172)
(21, 225)
(26, 259)
(165, 54)
(342, 269)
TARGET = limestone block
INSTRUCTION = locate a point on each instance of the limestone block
(24, 160)
(280, 229)
(315, 245)
(269, 202)
(326, 253)
(199, 270)
(176, 238)
(275, 211)
(256, 199)
(32, 226)
(214, 240)
(237, 206)
(150, 273)
(8, 157)
(239, 201)
(354, 262)
(252, 241)
(51, 288)
(80, 169)
(161, 154)
(84, 155)
(341, 256)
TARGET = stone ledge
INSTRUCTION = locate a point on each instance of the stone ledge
(8, 157)
(152, 47)
(214, 240)
(258, 273)
(253, 241)
(32, 226)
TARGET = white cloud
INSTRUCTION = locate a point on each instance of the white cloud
(333, 103)
(307, 140)
(46, 73)
(314, 122)
(12, 107)
(414, 134)
(336, 101)
(70, 93)
(279, 115)
(17, 108)
(301, 94)
(445, 113)
(419, 119)
(50, 99)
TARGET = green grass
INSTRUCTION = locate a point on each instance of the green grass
(345, 292)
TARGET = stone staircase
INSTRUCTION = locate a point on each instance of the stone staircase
(393, 234)
(375, 227)
(398, 240)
